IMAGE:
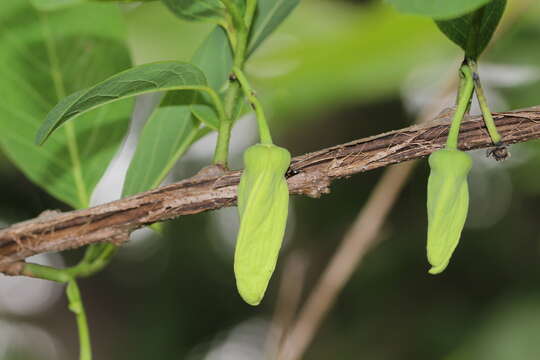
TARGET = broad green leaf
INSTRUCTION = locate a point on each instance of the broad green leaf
(54, 4)
(270, 14)
(149, 78)
(175, 123)
(438, 9)
(197, 10)
(43, 57)
(48, 5)
(472, 32)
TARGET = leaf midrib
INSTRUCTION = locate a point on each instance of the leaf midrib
(60, 92)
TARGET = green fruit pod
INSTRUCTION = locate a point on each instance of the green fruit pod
(447, 205)
(263, 201)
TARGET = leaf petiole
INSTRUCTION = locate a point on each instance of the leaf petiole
(464, 98)
(264, 130)
(484, 107)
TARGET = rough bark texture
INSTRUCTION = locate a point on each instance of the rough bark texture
(310, 174)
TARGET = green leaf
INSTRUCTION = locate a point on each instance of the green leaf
(197, 10)
(164, 139)
(43, 57)
(438, 9)
(472, 32)
(270, 14)
(175, 124)
(148, 78)
(215, 57)
(49, 5)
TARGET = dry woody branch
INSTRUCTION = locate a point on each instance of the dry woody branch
(310, 174)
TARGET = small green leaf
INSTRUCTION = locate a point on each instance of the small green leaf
(438, 9)
(197, 10)
(472, 32)
(270, 14)
(43, 57)
(447, 205)
(148, 78)
(263, 198)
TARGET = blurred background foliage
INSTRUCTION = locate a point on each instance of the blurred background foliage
(335, 71)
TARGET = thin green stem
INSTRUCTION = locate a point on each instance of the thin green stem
(73, 295)
(264, 130)
(45, 273)
(465, 95)
(238, 37)
(486, 112)
(93, 263)
(76, 306)
(96, 257)
(221, 153)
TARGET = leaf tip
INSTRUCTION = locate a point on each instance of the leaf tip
(41, 136)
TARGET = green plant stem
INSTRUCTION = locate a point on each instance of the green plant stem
(464, 99)
(46, 273)
(486, 112)
(88, 267)
(238, 38)
(264, 130)
(72, 292)
(77, 307)
(93, 261)
(221, 153)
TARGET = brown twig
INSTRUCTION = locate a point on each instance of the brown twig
(311, 174)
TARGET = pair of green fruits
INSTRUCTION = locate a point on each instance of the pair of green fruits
(263, 199)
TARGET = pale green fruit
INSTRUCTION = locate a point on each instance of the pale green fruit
(263, 200)
(447, 204)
